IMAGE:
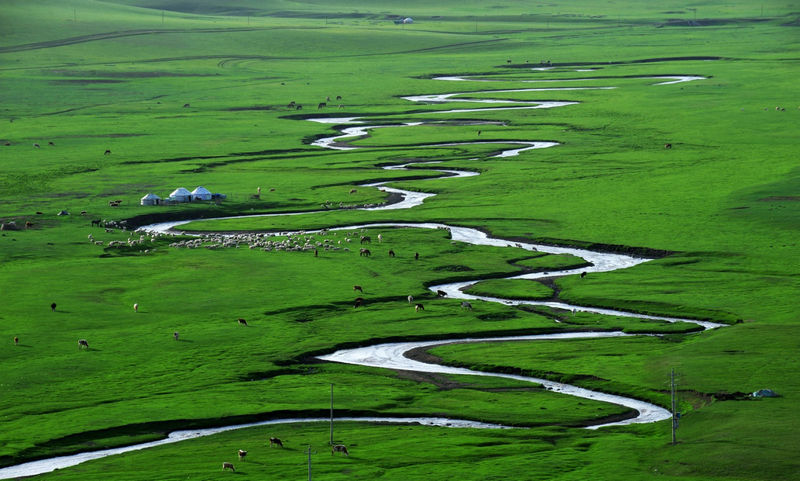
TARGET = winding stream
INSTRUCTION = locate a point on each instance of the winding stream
(393, 355)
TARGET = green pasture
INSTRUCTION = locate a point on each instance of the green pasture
(189, 93)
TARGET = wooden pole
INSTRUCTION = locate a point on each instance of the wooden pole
(331, 442)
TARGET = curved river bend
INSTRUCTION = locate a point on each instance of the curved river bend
(393, 355)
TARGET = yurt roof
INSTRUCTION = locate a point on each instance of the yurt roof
(200, 190)
(179, 192)
(151, 196)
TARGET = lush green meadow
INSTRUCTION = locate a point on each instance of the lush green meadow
(188, 93)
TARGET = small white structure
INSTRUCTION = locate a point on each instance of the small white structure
(180, 195)
(408, 20)
(150, 199)
(201, 193)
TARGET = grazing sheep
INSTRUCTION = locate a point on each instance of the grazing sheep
(16, 341)
(228, 465)
(441, 293)
(410, 299)
(242, 322)
(380, 238)
(83, 343)
(53, 307)
(175, 335)
(358, 288)
(391, 253)
(466, 305)
(275, 441)
(418, 307)
(242, 455)
(136, 308)
(339, 448)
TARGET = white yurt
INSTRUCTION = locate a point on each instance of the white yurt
(408, 20)
(150, 199)
(201, 193)
(180, 195)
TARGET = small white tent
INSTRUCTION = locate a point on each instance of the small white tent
(150, 199)
(180, 195)
(408, 20)
(201, 193)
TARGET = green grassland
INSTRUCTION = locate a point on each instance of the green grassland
(188, 93)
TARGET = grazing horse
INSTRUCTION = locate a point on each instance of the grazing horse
(16, 341)
(275, 441)
(359, 302)
(391, 253)
(107, 152)
(228, 466)
(175, 335)
(410, 299)
(96, 222)
(364, 253)
(583, 274)
(53, 307)
(83, 343)
(242, 322)
(358, 288)
(242, 455)
(365, 239)
(339, 448)
(418, 307)
(667, 146)
(441, 293)
(466, 305)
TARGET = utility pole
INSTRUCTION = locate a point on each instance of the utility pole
(674, 413)
(331, 414)
(309, 463)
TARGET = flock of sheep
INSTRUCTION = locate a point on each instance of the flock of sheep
(294, 242)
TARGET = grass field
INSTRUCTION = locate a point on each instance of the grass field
(189, 93)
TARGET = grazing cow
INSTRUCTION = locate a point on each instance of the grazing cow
(83, 343)
(96, 222)
(341, 106)
(508, 61)
(39, 213)
(28, 224)
(365, 253)
(328, 98)
(353, 191)
(51, 143)
(321, 105)
(410, 299)
(275, 441)
(391, 253)
(358, 303)
(136, 308)
(7, 144)
(339, 448)
(466, 305)
(53, 307)
(416, 256)
(418, 307)
(186, 106)
(16, 341)
(441, 293)
(36, 145)
(175, 335)
(338, 97)
(242, 322)
(242, 455)
(83, 212)
(365, 239)
(228, 466)
(479, 132)
(299, 107)
(667, 146)
(583, 274)
(358, 288)
(107, 152)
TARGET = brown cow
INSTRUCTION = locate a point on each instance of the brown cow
(242, 455)
(228, 466)
(365, 239)
(441, 293)
(364, 253)
(358, 302)
(275, 441)
(358, 288)
(83, 343)
(16, 341)
(419, 307)
(667, 146)
(391, 253)
(107, 152)
(583, 274)
(242, 322)
(53, 307)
